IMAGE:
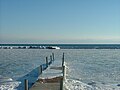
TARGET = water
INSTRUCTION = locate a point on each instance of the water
(87, 69)
(72, 46)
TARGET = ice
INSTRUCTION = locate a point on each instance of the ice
(84, 66)
(8, 84)
(71, 84)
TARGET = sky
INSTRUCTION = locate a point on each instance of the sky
(60, 21)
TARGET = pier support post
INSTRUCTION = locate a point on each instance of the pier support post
(40, 69)
(26, 84)
(61, 84)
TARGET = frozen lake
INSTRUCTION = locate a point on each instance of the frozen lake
(87, 69)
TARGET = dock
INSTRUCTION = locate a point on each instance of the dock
(51, 78)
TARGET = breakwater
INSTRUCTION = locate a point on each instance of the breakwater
(59, 46)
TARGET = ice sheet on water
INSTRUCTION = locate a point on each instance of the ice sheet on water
(7, 83)
(71, 84)
(76, 85)
(100, 66)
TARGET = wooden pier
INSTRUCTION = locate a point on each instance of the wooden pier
(52, 78)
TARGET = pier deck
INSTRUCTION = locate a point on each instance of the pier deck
(51, 79)
(46, 86)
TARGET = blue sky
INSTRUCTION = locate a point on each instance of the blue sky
(60, 21)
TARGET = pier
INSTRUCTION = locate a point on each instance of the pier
(51, 75)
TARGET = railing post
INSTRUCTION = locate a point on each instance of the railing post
(47, 61)
(40, 69)
(26, 84)
(50, 58)
(53, 56)
(63, 60)
(63, 72)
